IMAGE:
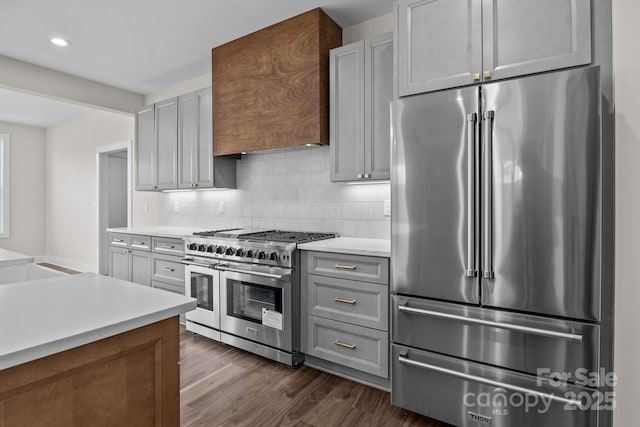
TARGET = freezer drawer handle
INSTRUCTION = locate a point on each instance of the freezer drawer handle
(553, 397)
(527, 329)
(344, 267)
(345, 301)
(341, 344)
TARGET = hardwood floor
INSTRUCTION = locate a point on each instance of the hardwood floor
(58, 268)
(224, 386)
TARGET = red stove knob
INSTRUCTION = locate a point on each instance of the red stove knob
(273, 256)
(261, 255)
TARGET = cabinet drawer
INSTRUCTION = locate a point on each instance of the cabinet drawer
(354, 346)
(360, 303)
(167, 245)
(345, 266)
(168, 269)
(142, 243)
(119, 240)
(168, 287)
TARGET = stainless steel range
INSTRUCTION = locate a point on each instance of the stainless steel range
(247, 284)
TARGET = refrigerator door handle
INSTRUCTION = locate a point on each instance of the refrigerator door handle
(468, 377)
(471, 194)
(487, 268)
(526, 329)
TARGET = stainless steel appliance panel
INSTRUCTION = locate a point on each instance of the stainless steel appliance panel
(241, 314)
(512, 340)
(544, 233)
(465, 393)
(433, 238)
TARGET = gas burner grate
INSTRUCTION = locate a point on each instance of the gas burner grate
(286, 236)
(211, 233)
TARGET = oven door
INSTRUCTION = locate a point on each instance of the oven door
(256, 303)
(203, 283)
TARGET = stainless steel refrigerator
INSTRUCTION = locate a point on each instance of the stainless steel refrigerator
(496, 243)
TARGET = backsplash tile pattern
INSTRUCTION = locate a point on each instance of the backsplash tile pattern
(286, 189)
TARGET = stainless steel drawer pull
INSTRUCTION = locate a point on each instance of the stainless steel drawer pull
(168, 269)
(168, 246)
(118, 240)
(346, 301)
(138, 242)
(487, 381)
(510, 326)
(341, 344)
(345, 267)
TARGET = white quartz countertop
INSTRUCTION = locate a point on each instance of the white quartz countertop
(351, 245)
(8, 258)
(42, 317)
(176, 232)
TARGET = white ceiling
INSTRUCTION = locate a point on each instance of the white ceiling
(147, 45)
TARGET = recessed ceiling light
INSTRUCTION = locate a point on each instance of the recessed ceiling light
(60, 42)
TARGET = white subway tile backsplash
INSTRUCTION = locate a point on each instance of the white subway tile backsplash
(286, 189)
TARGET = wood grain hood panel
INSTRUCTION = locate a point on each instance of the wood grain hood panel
(271, 87)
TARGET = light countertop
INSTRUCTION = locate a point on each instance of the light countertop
(159, 231)
(351, 245)
(8, 258)
(42, 317)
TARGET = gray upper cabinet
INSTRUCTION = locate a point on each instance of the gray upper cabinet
(361, 87)
(449, 43)
(167, 140)
(145, 148)
(174, 146)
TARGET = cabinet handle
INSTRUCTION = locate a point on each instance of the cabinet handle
(476, 76)
(345, 267)
(367, 176)
(346, 301)
(155, 187)
(487, 74)
(138, 242)
(168, 269)
(341, 344)
(168, 246)
(118, 240)
(359, 176)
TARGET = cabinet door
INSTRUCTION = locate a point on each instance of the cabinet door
(378, 92)
(346, 127)
(145, 148)
(523, 37)
(167, 144)
(187, 139)
(203, 150)
(439, 44)
(119, 263)
(140, 267)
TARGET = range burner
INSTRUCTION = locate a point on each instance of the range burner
(286, 236)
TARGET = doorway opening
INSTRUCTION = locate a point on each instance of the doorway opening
(114, 197)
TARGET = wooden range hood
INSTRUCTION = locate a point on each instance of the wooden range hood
(271, 87)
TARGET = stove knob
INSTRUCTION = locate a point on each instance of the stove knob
(239, 252)
(250, 253)
(193, 247)
(273, 256)
(211, 248)
(230, 251)
(220, 250)
(261, 255)
(202, 248)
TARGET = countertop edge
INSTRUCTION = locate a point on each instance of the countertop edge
(349, 245)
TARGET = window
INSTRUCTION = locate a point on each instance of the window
(4, 185)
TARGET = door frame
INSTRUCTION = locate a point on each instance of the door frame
(101, 153)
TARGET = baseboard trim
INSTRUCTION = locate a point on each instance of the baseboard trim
(74, 265)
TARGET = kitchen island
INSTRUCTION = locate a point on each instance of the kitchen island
(89, 350)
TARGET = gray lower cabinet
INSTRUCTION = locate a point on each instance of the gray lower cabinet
(129, 258)
(361, 87)
(345, 315)
(173, 146)
(449, 43)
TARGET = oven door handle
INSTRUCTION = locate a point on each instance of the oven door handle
(284, 277)
(191, 261)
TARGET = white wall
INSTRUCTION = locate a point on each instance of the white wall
(626, 33)
(71, 182)
(371, 28)
(27, 179)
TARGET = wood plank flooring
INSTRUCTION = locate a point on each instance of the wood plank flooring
(225, 386)
(58, 268)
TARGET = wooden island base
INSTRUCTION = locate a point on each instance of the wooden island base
(128, 379)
